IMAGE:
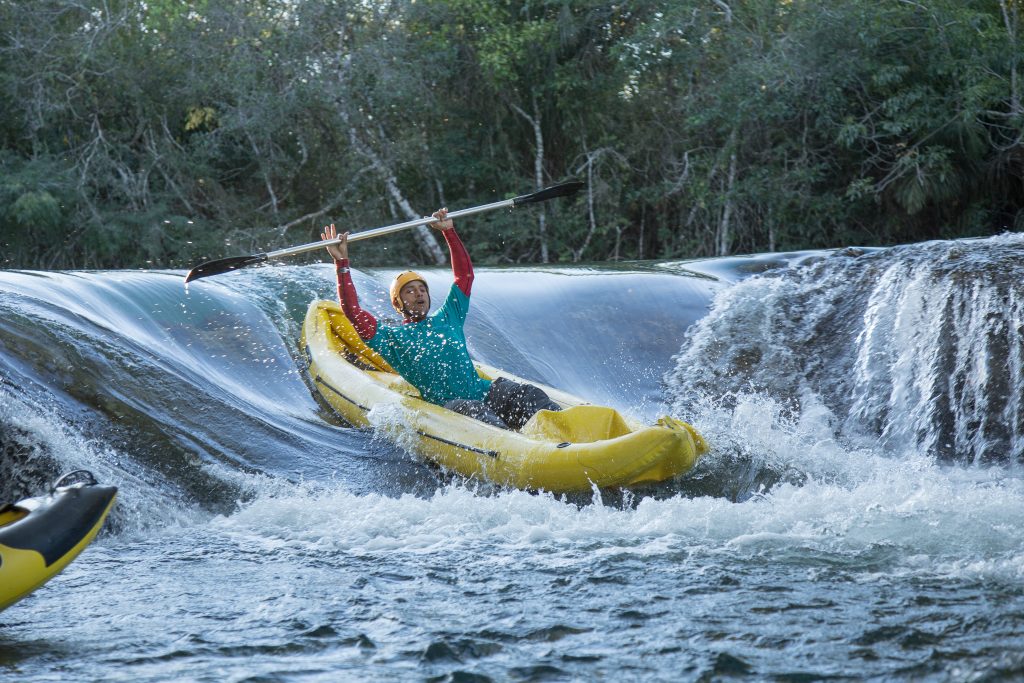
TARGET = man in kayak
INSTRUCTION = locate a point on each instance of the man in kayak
(430, 350)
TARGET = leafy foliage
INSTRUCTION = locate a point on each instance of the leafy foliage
(162, 133)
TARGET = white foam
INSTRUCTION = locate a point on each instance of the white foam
(390, 423)
(935, 520)
(140, 504)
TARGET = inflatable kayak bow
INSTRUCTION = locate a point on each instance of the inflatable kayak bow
(40, 536)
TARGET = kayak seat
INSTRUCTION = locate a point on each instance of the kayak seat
(10, 513)
(577, 424)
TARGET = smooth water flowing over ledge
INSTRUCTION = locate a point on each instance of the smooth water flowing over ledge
(255, 538)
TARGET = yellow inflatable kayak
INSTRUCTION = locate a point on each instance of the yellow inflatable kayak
(569, 450)
(40, 536)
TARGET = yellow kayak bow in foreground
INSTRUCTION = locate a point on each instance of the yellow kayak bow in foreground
(40, 536)
(574, 449)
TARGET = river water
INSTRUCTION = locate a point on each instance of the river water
(860, 514)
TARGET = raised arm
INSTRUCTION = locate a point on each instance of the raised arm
(363, 321)
(462, 267)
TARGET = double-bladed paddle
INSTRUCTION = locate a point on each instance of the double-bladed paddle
(225, 265)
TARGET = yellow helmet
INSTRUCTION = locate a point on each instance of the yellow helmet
(401, 280)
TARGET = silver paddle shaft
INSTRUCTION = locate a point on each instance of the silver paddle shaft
(387, 229)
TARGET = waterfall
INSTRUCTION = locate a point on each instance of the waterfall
(919, 346)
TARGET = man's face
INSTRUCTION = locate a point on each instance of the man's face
(415, 300)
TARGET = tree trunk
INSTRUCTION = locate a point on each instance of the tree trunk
(724, 237)
(1010, 19)
(577, 254)
(538, 171)
(423, 235)
(643, 224)
(266, 176)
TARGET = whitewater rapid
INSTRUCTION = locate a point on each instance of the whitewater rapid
(830, 532)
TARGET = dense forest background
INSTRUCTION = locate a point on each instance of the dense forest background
(160, 133)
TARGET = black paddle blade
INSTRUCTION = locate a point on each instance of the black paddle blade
(563, 190)
(223, 265)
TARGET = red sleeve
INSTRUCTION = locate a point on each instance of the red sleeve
(462, 267)
(363, 321)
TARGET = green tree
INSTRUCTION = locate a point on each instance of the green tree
(161, 133)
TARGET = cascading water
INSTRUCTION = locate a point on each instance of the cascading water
(921, 346)
(860, 515)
